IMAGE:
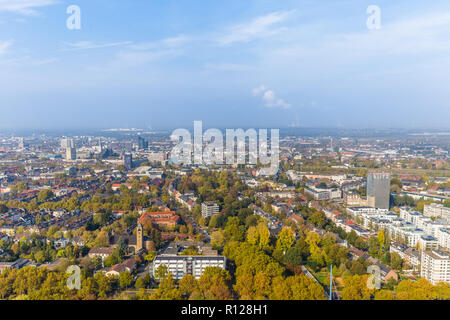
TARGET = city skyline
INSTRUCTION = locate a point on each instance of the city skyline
(233, 64)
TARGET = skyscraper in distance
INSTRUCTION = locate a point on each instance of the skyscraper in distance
(378, 189)
(128, 161)
(142, 144)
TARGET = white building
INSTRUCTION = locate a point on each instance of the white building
(323, 194)
(357, 211)
(426, 243)
(179, 266)
(435, 266)
(436, 210)
(209, 208)
(443, 236)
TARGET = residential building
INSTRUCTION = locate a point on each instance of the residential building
(102, 252)
(436, 210)
(179, 265)
(322, 194)
(435, 266)
(209, 208)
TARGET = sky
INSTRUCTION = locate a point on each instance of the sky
(236, 63)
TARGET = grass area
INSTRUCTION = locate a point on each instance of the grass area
(323, 278)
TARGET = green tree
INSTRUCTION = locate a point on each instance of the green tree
(125, 279)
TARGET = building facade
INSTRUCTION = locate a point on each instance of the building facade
(378, 189)
(209, 208)
(435, 266)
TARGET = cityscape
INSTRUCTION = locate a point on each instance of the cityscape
(216, 159)
(139, 226)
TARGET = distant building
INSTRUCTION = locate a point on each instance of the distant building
(378, 189)
(67, 143)
(18, 264)
(128, 161)
(209, 208)
(166, 219)
(71, 153)
(102, 252)
(322, 194)
(427, 242)
(142, 144)
(435, 266)
(436, 210)
(353, 199)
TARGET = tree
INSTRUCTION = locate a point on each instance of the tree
(218, 239)
(233, 230)
(286, 239)
(356, 288)
(44, 195)
(162, 272)
(381, 241)
(259, 235)
(396, 261)
(150, 256)
(293, 256)
(167, 290)
(188, 284)
(139, 283)
(125, 279)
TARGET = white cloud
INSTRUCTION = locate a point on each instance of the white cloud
(26, 7)
(84, 45)
(227, 67)
(4, 46)
(171, 42)
(260, 27)
(270, 99)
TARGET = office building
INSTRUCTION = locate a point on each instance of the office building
(142, 144)
(67, 143)
(71, 153)
(435, 266)
(128, 161)
(378, 189)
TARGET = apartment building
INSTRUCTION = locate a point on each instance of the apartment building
(180, 265)
(436, 210)
(443, 236)
(322, 194)
(435, 266)
(209, 208)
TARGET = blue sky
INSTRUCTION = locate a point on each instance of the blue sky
(234, 63)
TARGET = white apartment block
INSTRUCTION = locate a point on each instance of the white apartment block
(443, 236)
(407, 214)
(436, 210)
(179, 266)
(356, 211)
(209, 208)
(406, 233)
(435, 266)
(426, 243)
(323, 194)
